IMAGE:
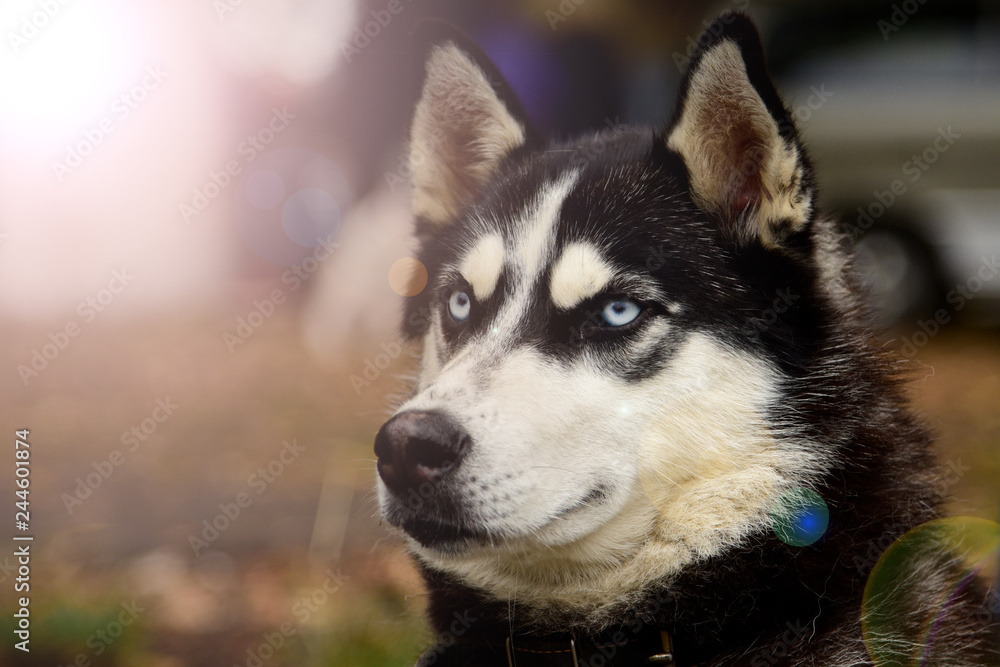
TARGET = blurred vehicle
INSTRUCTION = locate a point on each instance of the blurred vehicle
(900, 106)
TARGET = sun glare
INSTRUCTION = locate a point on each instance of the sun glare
(60, 64)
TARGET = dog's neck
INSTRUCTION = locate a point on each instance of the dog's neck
(475, 628)
(700, 622)
(627, 645)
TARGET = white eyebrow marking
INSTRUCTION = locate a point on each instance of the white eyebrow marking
(531, 248)
(579, 274)
(538, 227)
(481, 267)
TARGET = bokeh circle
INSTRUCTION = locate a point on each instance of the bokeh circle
(942, 559)
(289, 201)
(799, 517)
(407, 276)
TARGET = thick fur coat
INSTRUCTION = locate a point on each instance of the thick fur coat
(636, 346)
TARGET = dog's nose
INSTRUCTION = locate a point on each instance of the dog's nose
(418, 447)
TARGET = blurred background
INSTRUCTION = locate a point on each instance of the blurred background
(203, 221)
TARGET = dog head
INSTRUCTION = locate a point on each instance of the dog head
(608, 331)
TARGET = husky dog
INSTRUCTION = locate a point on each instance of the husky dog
(641, 350)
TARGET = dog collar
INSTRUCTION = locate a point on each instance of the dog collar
(652, 647)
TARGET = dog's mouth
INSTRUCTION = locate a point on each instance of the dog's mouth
(452, 534)
(443, 535)
(596, 496)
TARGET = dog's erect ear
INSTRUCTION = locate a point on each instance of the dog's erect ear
(737, 139)
(466, 122)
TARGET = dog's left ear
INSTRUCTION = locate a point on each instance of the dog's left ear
(737, 139)
(466, 122)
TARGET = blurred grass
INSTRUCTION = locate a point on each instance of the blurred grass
(61, 630)
(130, 539)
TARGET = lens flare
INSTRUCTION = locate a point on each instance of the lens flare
(898, 625)
(62, 66)
(407, 276)
(799, 517)
(289, 201)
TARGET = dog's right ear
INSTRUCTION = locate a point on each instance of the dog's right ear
(466, 121)
(738, 141)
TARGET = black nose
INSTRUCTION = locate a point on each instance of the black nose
(418, 447)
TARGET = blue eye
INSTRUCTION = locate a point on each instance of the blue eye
(459, 306)
(620, 312)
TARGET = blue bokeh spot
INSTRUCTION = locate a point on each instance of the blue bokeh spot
(800, 517)
(309, 216)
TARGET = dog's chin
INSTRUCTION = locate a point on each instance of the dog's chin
(445, 538)
(452, 535)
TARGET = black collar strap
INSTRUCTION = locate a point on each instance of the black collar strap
(651, 648)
